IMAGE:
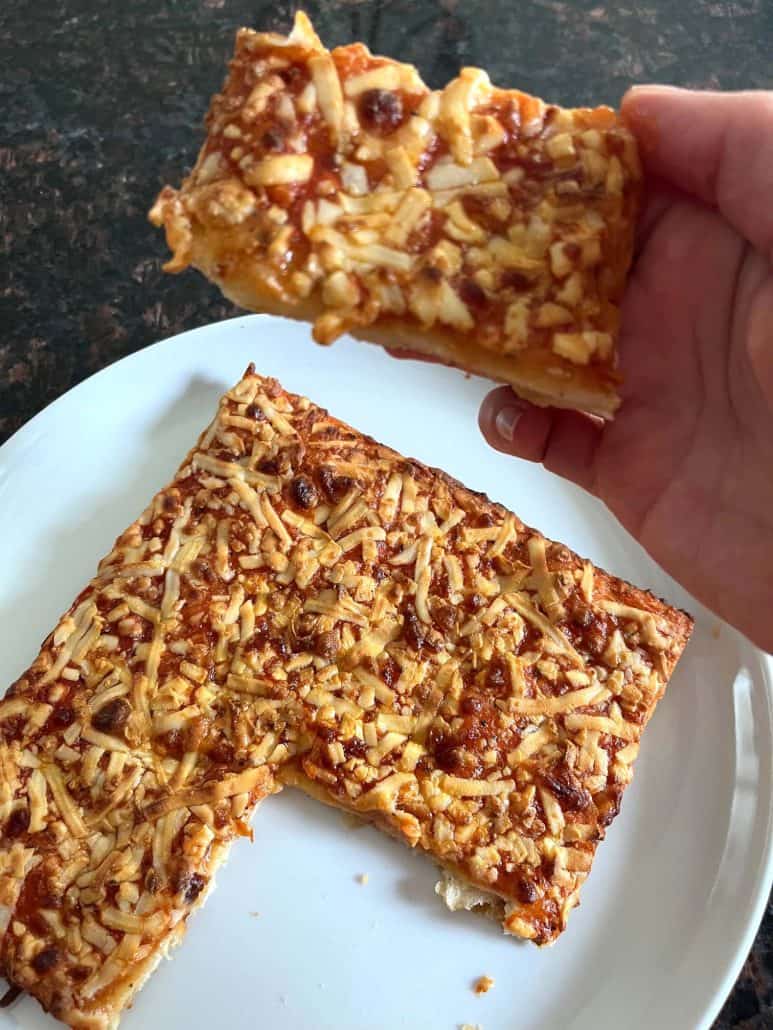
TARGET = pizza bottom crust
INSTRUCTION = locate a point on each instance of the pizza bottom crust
(579, 388)
(459, 895)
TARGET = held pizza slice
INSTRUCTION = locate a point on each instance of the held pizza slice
(473, 224)
(303, 606)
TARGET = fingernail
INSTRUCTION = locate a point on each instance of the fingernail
(642, 107)
(506, 422)
(653, 89)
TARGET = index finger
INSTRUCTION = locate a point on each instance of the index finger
(717, 147)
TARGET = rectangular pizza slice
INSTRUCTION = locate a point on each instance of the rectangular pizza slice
(301, 605)
(473, 224)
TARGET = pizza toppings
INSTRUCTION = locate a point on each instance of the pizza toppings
(112, 717)
(381, 110)
(336, 185)
(483, 984)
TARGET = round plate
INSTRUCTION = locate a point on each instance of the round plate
(292, 939)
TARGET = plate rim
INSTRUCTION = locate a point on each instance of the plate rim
(764, 880)
(765, 876)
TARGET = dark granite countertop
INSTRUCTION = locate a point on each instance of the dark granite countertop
(101, 103)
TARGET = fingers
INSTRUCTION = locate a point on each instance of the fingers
(565, 442)
(715, 146)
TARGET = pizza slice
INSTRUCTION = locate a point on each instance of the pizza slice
(303, 606)
(473, 224)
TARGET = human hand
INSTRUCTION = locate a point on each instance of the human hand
(687, 464)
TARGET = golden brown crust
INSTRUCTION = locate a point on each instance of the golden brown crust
(474, 224)
(302, 605)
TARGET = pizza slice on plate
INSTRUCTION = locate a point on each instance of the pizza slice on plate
(473, 224)
(303, 606)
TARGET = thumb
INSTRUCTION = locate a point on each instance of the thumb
(717, 147)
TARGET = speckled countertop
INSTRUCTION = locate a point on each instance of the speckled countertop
(101, 103)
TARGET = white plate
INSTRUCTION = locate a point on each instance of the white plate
(677, 890)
